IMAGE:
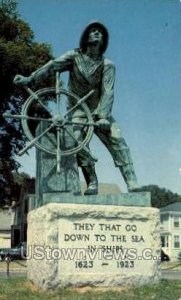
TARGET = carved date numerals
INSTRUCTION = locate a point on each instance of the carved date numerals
(84, 264)
(125, 264)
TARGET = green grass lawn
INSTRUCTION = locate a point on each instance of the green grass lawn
(22, 289)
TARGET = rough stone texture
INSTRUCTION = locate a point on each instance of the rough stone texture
(47, 179)
(53, 226)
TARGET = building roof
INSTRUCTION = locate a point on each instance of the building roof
(172, 207)
(6, 219)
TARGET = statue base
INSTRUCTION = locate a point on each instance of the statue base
(71, 244)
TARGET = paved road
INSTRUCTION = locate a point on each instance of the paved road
(171, 274)
(16, 268)
(12, 274)
(166, 274)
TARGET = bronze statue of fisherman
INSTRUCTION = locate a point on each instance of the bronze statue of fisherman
(89, 69)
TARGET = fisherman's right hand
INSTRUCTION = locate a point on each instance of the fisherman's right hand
(22, 80)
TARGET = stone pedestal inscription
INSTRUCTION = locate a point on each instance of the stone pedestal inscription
(97, 245)
(101, 246)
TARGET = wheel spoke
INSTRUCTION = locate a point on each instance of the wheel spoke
(35, 140)
(80, 123)
(79, 102)
(86, 149)
(35, 96)
(27, 117)
(57, 88)
(58, 151)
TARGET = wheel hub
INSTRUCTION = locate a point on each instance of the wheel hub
(58, 120)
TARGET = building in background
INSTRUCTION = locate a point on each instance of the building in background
(21, 208)
(13, 221)
(6, 221)
(170, 216)
(27, 202)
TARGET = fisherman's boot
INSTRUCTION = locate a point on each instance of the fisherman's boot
(91, 180)
(129, 176)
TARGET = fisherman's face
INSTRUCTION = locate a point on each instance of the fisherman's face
(95, 35)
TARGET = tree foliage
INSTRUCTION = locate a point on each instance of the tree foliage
(160, 197)
(19, 54)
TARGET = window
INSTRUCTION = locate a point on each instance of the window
(176, 221)
(164, 241)
(176, 241)
(164, 221)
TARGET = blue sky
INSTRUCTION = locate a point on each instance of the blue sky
(145, 43)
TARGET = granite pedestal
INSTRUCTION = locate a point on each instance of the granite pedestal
(100, 243)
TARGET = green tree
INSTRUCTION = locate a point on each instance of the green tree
(160, 197)
(19, 54)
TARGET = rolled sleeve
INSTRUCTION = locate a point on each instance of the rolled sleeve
(60, 64)
(107, 91)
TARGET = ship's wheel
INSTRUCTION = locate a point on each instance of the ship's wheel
(60, 121)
